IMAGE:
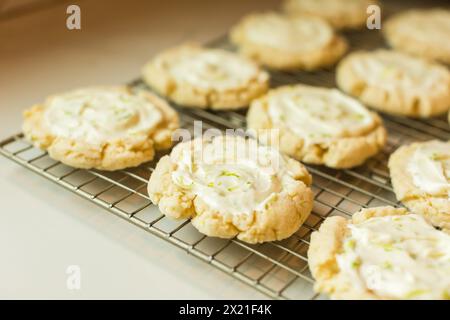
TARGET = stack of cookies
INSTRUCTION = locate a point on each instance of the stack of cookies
(257, 189)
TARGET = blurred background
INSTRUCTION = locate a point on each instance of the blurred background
(40, 56)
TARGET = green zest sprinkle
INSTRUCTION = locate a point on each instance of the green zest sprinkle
(436, 255)
(229, 174)
(351, 244)
(434, 157)
(232, 189)
(415, 293)
(446, 295)
(211, 184)
(387, 265)
(356, 264)
(387, 247)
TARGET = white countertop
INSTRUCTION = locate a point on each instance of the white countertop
(44, 228)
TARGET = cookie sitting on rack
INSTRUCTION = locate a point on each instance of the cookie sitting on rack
(420, 175)
(232, 187)
(396, 82)
(380, 253)
(283, 42)
(106, 128)
(198, 77)
(341, 14)
(425, 33)
(317, 125)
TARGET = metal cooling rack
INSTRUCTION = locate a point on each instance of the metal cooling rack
(278, 269)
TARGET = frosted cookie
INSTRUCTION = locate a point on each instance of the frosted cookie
(317, 125)
(205, 78)
(106, 128)
(230, 186)
(396, 83)
(381, 253)
(341, 14)
(420, 175)
(283, 42)
(425, 33)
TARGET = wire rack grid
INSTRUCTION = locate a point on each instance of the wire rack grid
(278, 269)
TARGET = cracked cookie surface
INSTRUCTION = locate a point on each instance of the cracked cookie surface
(420, 175)
(317, 125)
(425, 33)
(198, 77)
(106, 128)
(380, 253)
(232, 187)
(396, 82)
(341, 14)
(282, 42)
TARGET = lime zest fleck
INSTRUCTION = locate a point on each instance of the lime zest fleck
(229, 174)
(350, 244)
(356, 263)
(436, 255)
(446, 295)
(434, 156)
(387, 247)
(415, 293)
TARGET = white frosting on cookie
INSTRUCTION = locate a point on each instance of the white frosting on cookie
(430, 168)
(95, 115)
(290, 34)
(214, 69)
(398, 257)
(319, 114)
(231, 174)
(394, 71)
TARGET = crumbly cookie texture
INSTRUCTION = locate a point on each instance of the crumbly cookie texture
(377, 253)
(283, 42)
(420, 175)
(341, 14)
(396, 83)
(317, 126)
(106, 128)
(425, 33)
(233, 187)
(198, 77)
